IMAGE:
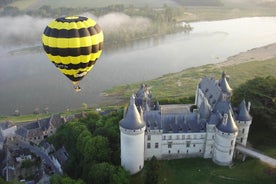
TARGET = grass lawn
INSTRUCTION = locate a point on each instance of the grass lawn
(199, 170)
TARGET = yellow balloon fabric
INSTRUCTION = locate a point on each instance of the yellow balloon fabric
(73, 44)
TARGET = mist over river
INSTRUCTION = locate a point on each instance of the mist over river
(28, 80)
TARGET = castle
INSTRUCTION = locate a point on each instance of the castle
(172, 131)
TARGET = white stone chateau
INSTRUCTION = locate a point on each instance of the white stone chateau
(173, 131)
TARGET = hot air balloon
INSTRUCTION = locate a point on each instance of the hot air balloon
(73, 44)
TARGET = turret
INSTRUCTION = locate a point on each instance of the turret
(244, 121)
(132, 131)
(224, 86)
(225, 137)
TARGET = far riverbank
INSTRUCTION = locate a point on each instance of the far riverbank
(257, 62)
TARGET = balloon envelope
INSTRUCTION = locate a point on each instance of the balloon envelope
(73, 44)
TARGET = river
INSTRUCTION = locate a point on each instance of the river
(28, 80)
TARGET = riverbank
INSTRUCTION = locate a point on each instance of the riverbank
(256, 54)
(257, 62)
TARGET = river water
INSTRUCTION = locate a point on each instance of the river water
(28, 80)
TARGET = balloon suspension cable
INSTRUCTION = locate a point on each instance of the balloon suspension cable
(76, 86)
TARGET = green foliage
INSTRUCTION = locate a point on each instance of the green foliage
(55, 179)
(152, 171)
(27, 164)
(261, 92)
(93, 144)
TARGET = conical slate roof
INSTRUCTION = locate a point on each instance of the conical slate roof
(132, 119)
(227, 124)
(204, 109)
(224, 84)
(243, 114)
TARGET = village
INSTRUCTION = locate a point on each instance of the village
(25, 154)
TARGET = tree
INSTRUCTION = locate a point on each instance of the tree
(261, 92)
(55, 179)
(152, 171)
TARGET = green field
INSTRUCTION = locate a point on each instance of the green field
(204, 171)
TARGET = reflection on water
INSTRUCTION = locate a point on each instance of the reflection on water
(28, 80)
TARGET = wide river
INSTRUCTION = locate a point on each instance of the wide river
(28, 80)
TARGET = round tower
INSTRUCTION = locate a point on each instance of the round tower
(132, 131)
(225, 138)
(244, 121)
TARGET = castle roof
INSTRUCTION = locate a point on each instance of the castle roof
(132, 119)
(227, 125)
(174, 119)
(224, 84)
(243, 114)
(204, 109)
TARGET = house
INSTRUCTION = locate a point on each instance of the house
(38, 130)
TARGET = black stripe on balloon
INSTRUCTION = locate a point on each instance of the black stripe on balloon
(72, 33)
(75, 79)
(72, 51)
(74, 66)
(76, 19)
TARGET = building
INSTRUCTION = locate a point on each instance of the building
(37, 131)
(210, 130)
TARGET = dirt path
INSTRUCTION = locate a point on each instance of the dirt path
(256, 54)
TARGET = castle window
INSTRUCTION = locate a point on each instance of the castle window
(193, 145)
(149, 137)
(230, 151)
(170, 137)
(188, 144)
(164, 137)
(169, 152)
(156, 145)
(178, 151)
(169, 144)
(188, 136)
(241, 140)
(148, 145)
(243, 130)
(200, 151)
(232, 143)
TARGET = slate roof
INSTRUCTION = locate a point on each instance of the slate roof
(227, 124)
(224, 84)
(243, 114)
(132, 119)
(174, 122)
(210, 89)
(205, 109)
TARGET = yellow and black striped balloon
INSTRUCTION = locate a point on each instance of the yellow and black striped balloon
(73, 44)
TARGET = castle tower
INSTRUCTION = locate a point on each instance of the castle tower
(225, 138)
(244, 121)
(132, 131)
